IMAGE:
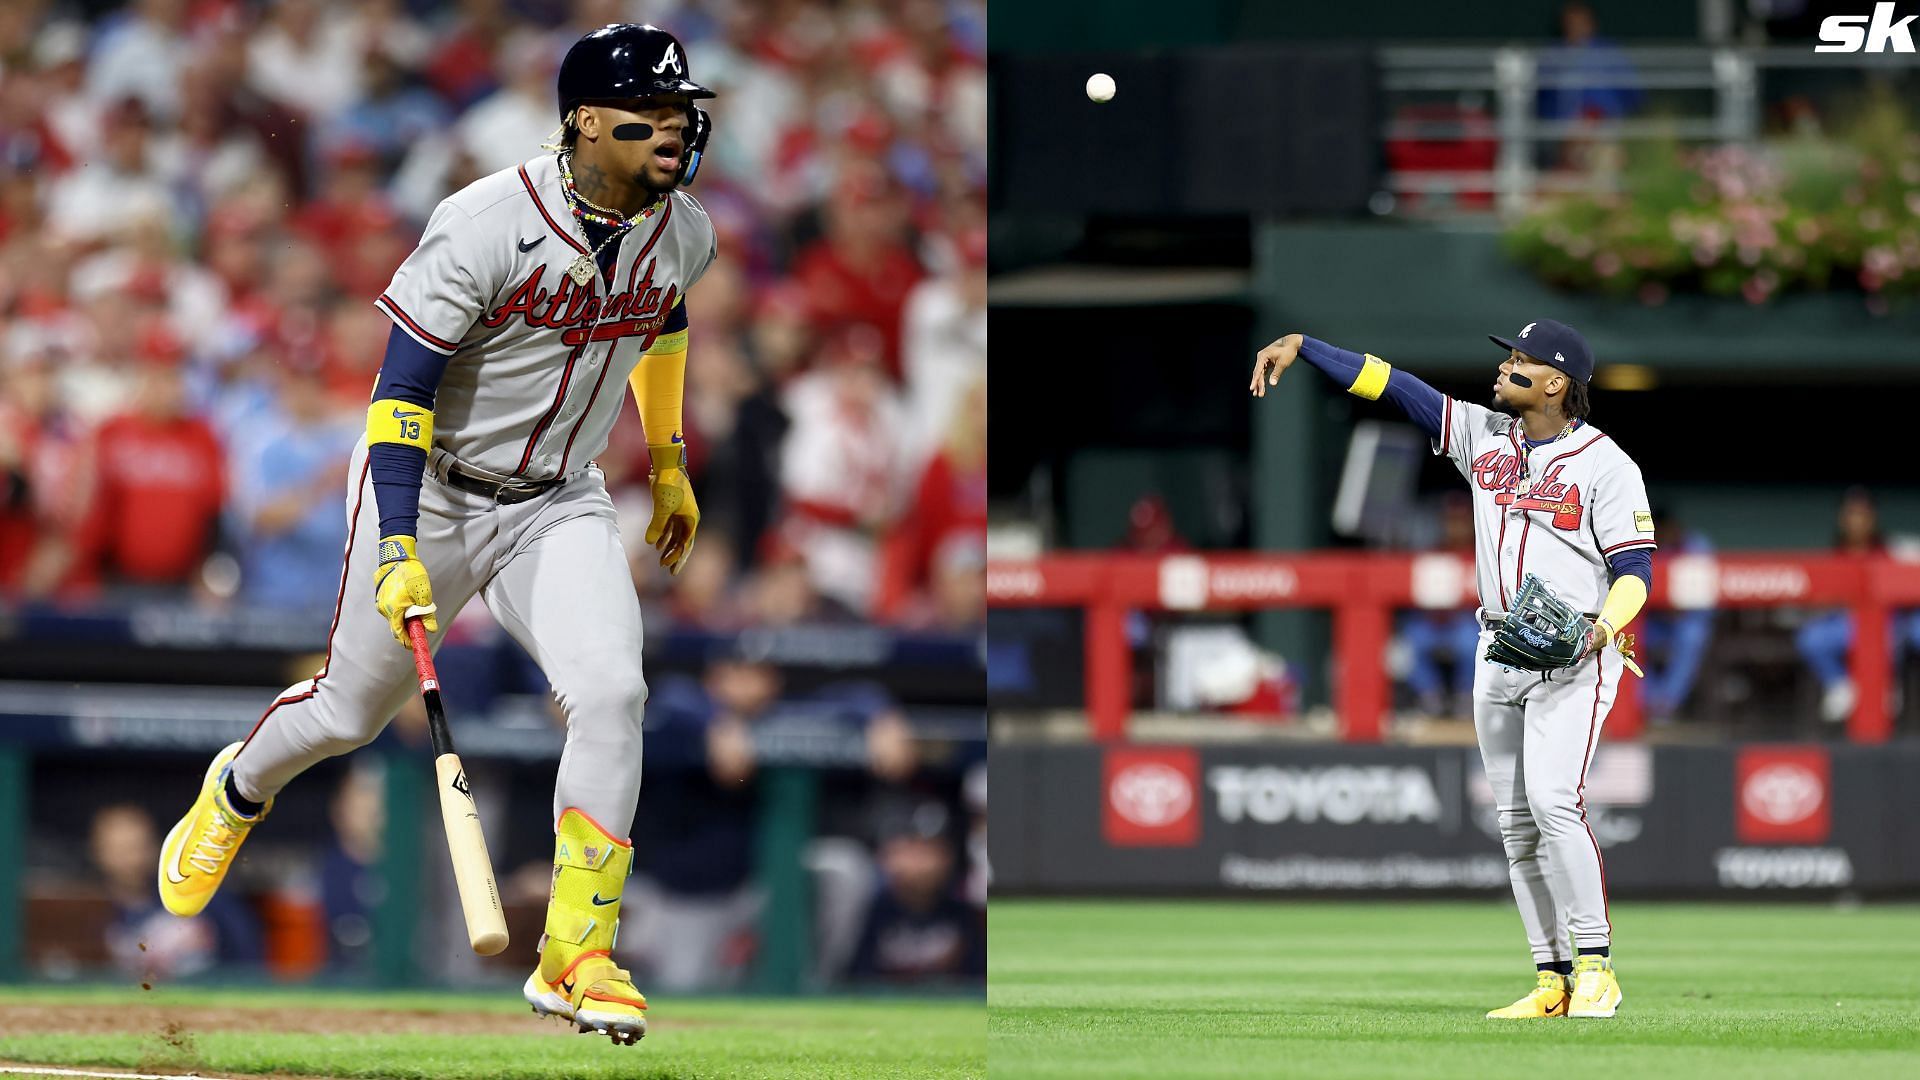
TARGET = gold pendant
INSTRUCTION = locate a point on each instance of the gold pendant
(581, 270)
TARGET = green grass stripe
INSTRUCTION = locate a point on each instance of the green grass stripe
(1217, 989)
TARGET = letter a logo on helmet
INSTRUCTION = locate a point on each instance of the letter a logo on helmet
(1525, 330)
(672, 58)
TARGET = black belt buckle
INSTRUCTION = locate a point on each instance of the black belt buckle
(499, 492)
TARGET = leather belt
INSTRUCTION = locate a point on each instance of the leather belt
(506, 493)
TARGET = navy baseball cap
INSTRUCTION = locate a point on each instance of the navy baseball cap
(1555, 344)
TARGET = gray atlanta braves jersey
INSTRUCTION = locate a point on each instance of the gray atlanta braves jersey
(539, 363)
(1558, 510)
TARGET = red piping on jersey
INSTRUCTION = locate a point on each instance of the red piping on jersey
(534, 194)
(584, 413)
(601, 332)
(1520, 564)
(393, 308)
(1599, 680)
(1626, 544)
(644, 346)
(1582, 450)
(666, 213)
(346, 564)
(560, 395)
(1500, 544)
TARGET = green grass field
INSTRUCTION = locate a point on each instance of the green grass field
(452, 1037)
(1377, 989)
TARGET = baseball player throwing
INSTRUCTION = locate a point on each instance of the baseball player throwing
(536, 295)
(1563, 543)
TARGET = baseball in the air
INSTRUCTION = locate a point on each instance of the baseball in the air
(1100, 87)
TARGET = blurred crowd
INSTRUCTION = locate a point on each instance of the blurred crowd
(895, 871)
(199, 200)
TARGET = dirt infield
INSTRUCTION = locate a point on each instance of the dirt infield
(170, 1029)
(174, 1024)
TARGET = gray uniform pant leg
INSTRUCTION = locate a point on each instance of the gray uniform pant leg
(566, 595)
(367, 675)
(1537, 737)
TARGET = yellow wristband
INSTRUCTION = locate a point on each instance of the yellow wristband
(401, 422)
(670, 455)
(1372, 380)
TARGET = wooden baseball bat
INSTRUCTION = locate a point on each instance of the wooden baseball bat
(472, 868)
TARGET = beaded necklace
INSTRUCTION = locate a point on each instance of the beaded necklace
(581, 269)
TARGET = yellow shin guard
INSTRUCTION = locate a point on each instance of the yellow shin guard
(583, 909)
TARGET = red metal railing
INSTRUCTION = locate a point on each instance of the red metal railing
(1363, 590)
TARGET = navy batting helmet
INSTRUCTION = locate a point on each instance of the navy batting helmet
(624, 61)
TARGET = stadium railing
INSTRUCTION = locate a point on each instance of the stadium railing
(1507, 118)
(1363, 590)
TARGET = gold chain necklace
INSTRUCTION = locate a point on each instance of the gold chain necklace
(581, 270)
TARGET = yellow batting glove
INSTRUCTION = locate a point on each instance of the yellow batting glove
(401, 588)
(676, 516)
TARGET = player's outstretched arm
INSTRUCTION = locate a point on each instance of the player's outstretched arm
(1365, 376)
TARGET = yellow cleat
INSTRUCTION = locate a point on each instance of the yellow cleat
(199, 850)
(1595, 990)
(595, 995)
(577, 979)
(1548, 998)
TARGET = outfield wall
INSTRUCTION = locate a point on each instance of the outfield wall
(1727, 820)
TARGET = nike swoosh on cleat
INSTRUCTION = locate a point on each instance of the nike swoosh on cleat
(398, 415)
(529, 245)
(598, 901)
(173, 869)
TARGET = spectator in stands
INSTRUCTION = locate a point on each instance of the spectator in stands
(840, 466)
(507, 126)
(307, 56)
(918, 927)
(43, 469)
(946, 522)
(979, 868)
(1150, 527)
(1673, 643)
(1428, 639)
(217, 153)
(141, 52)
(287, 491)
(944, 346)
(349, 871)
(144, 940)
(780, 590)
(1592, 79)
(862, 270)
(392, 114)
(157, 483)
(354, 223)
(124, 180)
(695, 862)
(1826, 641)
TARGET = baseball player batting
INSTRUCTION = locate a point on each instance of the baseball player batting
(1563, 543)
(535, 296)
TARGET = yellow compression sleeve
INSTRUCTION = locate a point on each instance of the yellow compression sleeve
(402, 422)
(659, 384)
(1372, 380)
(1623, 601)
